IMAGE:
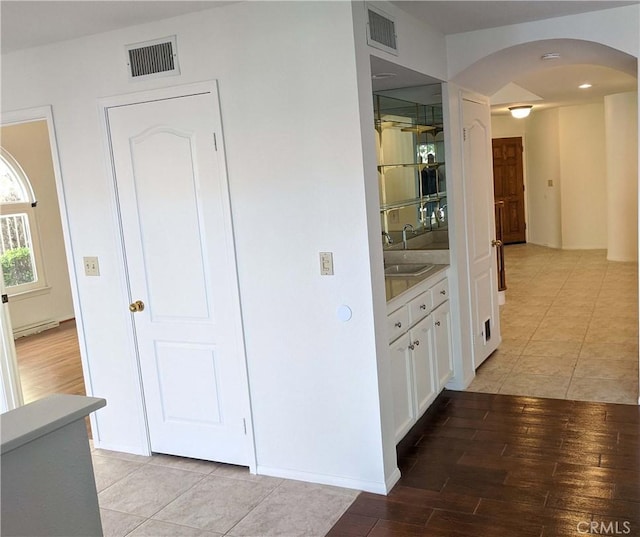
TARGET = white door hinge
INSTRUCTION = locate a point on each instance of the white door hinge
(244, 425)
(464, 135)
(215, 141)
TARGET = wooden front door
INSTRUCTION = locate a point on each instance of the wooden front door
(509, 187)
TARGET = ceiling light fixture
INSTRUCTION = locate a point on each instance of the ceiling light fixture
(586, 85)
(550, 56)
(382, 76)
(520, 112)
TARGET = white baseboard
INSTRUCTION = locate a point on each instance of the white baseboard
(31, 329)
(336, 481)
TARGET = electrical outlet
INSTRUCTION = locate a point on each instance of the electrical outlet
(91, 267)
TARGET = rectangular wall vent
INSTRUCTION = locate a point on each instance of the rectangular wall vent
(153, 58)
(381, 31)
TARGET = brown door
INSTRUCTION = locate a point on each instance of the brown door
(509, 187)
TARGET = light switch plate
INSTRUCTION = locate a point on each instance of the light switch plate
(91, 266)
(326, 263)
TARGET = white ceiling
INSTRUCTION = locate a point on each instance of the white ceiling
(555, 82)
(455, 16)
(26, 24)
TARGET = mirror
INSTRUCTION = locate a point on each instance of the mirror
(411, 167)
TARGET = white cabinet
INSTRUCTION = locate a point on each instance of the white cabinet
(419, 352)
(422, 351)
(442, 343)
(404, 414)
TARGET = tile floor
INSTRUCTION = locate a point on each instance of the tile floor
(569, 327)
(175, 497)
(570, 331)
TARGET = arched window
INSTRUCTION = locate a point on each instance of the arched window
(19, 247)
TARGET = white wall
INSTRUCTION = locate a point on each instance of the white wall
(290, 110)
(583, 177)
(567, 146)
(506, 126)
(621, 125)
(544, 218)
(29, 144)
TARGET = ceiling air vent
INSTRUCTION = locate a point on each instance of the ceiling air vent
(153, 58)
(381, 30)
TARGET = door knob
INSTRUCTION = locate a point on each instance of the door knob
(136, 306)
(496, 242)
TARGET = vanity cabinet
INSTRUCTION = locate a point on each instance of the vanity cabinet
(419, 352)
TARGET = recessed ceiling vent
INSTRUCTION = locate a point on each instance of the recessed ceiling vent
(381, 30)
(153, 58)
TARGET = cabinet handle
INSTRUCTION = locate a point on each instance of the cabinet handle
(411, 346)
(416, 342)
(423, 306)
(398, 324)
(443, 292)
(437, 323)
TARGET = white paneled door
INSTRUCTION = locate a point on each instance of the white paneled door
(481, 230)
(174, 208)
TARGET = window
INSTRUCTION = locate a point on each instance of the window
(19, 252)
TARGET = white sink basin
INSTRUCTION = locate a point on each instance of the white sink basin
(408, 269)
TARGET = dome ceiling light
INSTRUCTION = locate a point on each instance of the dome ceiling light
(586, 85)
(520, 112)
(550, 56)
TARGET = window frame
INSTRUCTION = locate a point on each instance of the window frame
(28, 208)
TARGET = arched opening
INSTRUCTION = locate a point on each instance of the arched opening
(570, 322)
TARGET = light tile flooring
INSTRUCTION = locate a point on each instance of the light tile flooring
(569, 327)
(175, 497)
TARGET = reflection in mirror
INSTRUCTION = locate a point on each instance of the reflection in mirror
(411, 167)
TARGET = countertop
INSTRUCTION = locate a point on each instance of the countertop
(396, 286)
(28, 422)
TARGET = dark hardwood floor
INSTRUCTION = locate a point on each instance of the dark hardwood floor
(490, 465)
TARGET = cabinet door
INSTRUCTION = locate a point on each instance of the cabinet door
(401, 385)
(424, 379)
(442, 337)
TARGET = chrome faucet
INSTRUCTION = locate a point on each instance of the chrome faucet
(404, 234)
(387, 237)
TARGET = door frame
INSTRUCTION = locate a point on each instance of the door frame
(161, 94)
(11, 383)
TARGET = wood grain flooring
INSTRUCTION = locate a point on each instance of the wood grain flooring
(49, 362)
(481, 464)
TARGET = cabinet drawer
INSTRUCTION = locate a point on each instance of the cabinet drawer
(420, 307)
(439, 293)
(397, 323)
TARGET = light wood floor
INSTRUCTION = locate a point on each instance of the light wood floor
(49, 362)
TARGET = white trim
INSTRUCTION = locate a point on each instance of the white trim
(336, 481)
(10, 388)
(35, 328)
(45, 113)
(31, 293)
(160, 94)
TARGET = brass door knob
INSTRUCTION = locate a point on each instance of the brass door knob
(136, 306)
(496, 242)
